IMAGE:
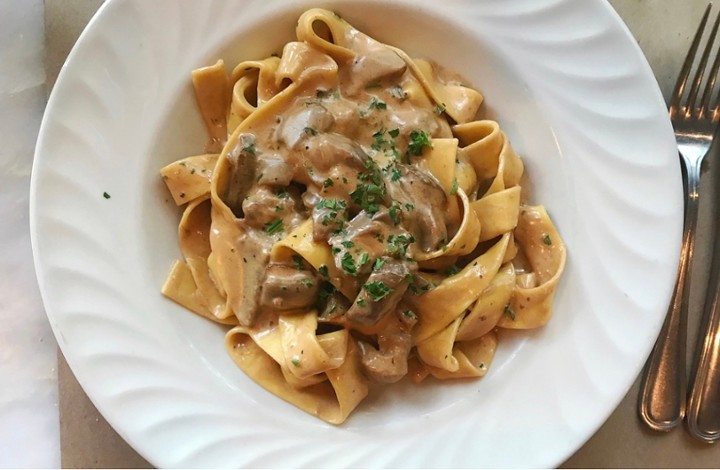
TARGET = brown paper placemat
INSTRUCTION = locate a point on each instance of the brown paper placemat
(663, 28)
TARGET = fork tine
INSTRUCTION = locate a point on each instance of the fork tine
(700, 72)
(687, 65)
(712, 79)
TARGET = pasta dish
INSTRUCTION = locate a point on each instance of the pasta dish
(353, 222)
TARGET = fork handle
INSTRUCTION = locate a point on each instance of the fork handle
(703, 413)
(662, 399)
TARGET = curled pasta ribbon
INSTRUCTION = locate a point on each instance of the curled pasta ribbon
(254, 85)
(466, 238)
(489, 152)
(441, 306)
(330, 395)
(497, 212)
(303, 63)
(489, 307)
(473, 358)
(546, 255)
(317, 254)
(212, 91)
(327, 32)
(304, 355)
(190, 282)
(189, 178)
(459, 102)
(440, 162)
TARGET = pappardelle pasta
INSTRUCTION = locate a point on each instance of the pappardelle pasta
(353, 222)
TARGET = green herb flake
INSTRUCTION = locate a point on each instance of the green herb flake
(259, 177)
(282, 193)
(371, 85)
(547, 240)
(298, 262)
(106, 195)
(276, 226)
(376, 104)
(452, 270)
(295, 361)
(361, 302)
(347, 244)
(394, 133)
(310, 130)
(364, 259)
(250, 148)
(328, 182)
(395, 212)
(307, 283)
(509, 312)
(377, 290)
(323, 270)
(310, 170)
(378, 264)
(440, 108)
(395, 174)
(418, 141)
(398, 93)
(398, 245)
(454, 188)
(347, 263)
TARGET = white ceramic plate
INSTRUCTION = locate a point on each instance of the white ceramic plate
(579, 102)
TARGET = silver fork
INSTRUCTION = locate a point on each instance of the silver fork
(663, 392)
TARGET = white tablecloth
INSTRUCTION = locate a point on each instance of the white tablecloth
(29, 428)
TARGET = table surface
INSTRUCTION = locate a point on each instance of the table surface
(663, 29)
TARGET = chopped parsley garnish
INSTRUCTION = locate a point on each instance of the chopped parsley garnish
(295, 361)
(409, 314)
(452, 270)
(454, 188)
(310, 170)
(310, 130)
(398, 93)
(307, 283)
(378, 264)
(328, 182)
(278, 209)
(364, 259)
(323, 270)
(509, 312)
(282, 193)
(394, 133)
(250, 148)
(547, 240)
(259, 177)
(369, 196)
(106, 195)
(377, 290)
(395, 174)
(274, 227)
(298, 262)
(418, 141)
(332, 204)
(376, 104)
(395, 212)
(348, 264)
(371, 85)
(361, 302)
(440, 108)
(347, 244)
(398, 244)
(325, 291)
